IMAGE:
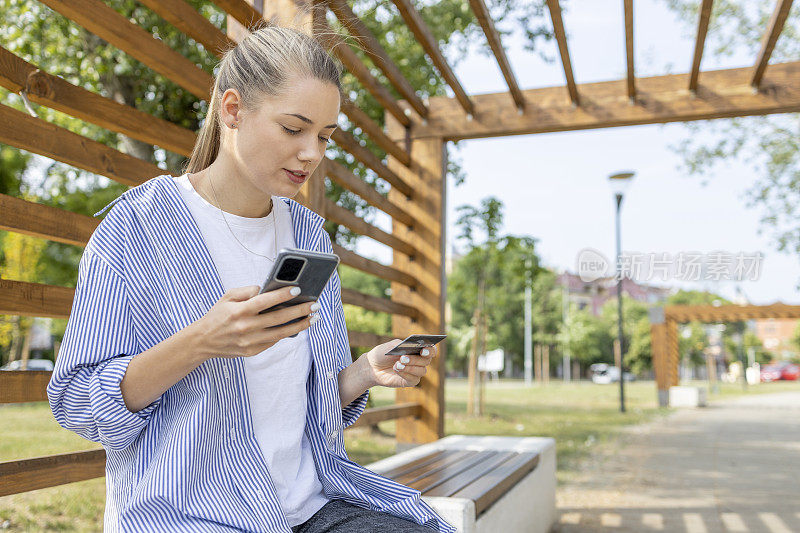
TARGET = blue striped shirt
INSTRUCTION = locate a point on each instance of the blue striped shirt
(190, 460)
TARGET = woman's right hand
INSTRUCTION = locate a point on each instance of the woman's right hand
(233, 327)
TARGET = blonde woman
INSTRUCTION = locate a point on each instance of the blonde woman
(215, 417)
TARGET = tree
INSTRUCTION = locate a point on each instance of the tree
(769, 144)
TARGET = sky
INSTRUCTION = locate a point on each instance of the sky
(555, 186)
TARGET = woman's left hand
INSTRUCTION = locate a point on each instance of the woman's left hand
(397, 370)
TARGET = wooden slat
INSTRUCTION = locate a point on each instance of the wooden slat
(112, 27)
(563, 50)
(377, 54)
(470, 475)
(436, 466)
(362, 339)
(35, 299)
(442, 476)
(416, 463)
(45, 222)
(186, 18)
(628, 4)
(729, 313)
(372, 416)
(17, 74)
(357, 68)
(351, 145)
(489, 488)
(661, 99)
(41, 472)
(369, 266)
(40, 137)
(375, 132)
(374, 303)
(428, 42)
(240, 10)
(493, 37)
(17, 386)
(340, 215)
(700, 42)
(342, 175)
(776, 22)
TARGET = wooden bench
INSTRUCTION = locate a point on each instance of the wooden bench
(482, 484)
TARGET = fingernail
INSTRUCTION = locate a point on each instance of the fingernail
(405, 360)
(426, 351)
(294, 291)
(399, 366)
(315, 306)
(314, 319)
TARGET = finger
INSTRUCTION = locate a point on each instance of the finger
(273, 335)
(240, 294)
(268, 299)
(417, 360)
(413, 370)
(281, 316)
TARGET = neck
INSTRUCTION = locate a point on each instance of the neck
(234, 194)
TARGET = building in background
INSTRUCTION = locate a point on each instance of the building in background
(592, 295)
(776, 336)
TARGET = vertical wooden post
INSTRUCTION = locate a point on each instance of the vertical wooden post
(659, 352)
(426, 176)
(673, 352)
(537, 363)
(546, 364)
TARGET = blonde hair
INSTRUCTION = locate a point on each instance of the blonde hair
(260, 65)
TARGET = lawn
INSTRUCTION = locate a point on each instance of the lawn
(579, 416)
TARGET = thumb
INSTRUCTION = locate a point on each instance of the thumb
(240, 294)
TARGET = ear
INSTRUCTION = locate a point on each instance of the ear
(230, 107)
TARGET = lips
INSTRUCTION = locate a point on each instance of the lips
(296, 176)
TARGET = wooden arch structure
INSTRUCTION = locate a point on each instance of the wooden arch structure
(664, 333)
(414, 139)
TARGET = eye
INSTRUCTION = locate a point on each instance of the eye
(290, 131)
(324, 140)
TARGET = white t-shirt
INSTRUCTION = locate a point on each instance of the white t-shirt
(276, 378)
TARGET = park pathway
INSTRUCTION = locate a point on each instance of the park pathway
(731, 467)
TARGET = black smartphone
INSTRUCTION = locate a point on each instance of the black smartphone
(300, 268)
(413, 344)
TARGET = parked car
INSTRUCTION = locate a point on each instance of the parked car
(33, 364)
(781, 370)
(603, 374)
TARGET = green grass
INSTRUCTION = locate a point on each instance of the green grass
(579, 416)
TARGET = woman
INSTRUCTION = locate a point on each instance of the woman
(215, 417)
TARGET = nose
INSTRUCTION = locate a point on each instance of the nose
(310, 151)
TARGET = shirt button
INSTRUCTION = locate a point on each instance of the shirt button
(225, 372)
(261, 497)
(329, 374)
(332, 436)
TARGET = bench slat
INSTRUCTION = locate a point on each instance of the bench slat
(422, 461)
(491, 487)
(470, 475)
(434, 479)
(435, 466)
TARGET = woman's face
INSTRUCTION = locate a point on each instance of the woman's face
(279, 144)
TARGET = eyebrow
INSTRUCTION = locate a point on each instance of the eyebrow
(308, 120)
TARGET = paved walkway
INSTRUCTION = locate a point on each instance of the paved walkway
(731, 467)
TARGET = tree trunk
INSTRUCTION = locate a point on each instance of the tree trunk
(473, 355)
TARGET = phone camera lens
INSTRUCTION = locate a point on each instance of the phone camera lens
(290, 269)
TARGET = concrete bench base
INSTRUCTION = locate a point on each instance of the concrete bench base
(687, 397)
(529, 506)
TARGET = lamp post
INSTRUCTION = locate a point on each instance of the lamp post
(619, 184)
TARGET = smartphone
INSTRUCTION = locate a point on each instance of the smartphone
(300, 268)
(413, 344)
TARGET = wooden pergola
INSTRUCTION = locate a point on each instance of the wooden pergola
(414, 139)
(664, 333)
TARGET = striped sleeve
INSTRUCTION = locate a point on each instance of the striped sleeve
(98, 344)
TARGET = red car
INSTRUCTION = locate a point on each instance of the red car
(783, 370)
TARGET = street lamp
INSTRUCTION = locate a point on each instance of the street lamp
(619, 184)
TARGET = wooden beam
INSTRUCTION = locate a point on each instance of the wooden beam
(370, 417)
(356, 27)
(428, 42)
(18, 75)
(361, 339)
(35, 299)
(45, 222)
(661, 99)
(380, 305)
(40, 137)
(493, 37)
(563, 50)
(19, 386)
(375, 132)
(186, 18)
(25, 475)
(776, 22)
(117, 30)
(342, 175)
(374, 268)
(700, 42)
(629, 49)
(729, 313)
(350, 144)
(340, 215)
(244, 13)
